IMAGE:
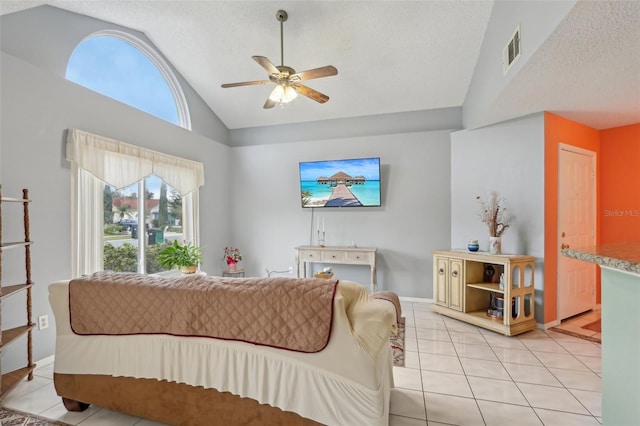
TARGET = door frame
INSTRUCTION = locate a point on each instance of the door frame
(594, 194)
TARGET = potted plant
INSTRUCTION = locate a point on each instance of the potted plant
(186, 257)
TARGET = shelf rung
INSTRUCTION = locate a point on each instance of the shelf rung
(8, 290)
(12, 334)
(12, 378)
(15, 244)
(15, 200)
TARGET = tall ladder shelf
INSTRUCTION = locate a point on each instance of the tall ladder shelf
(10, 379)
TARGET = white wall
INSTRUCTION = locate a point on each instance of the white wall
(46, 36)
(372, 125)
(537, 21)
(414, 218)
(507, 158)
(37, 108)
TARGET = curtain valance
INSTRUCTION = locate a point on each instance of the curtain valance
(120, 164)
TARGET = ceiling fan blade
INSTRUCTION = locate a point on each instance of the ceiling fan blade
(247, 83)
(327, 71)
(266, 64)
(310, 93)
(269, 104)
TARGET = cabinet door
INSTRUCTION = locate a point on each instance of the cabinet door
(456, 293)
(440, 279)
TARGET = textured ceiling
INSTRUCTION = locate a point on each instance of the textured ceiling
(391, 56)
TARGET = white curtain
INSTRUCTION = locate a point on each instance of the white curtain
(120, 164)
(191, 218)
(87, 220)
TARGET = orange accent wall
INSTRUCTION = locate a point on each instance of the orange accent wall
(620, 184)
(559, 130)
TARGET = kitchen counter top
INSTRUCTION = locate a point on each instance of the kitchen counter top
(621, 256)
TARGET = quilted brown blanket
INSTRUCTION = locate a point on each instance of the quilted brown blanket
(286, 313)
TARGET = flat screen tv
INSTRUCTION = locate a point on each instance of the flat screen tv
(340, 183)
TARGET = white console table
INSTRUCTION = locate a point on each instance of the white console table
(338, 255)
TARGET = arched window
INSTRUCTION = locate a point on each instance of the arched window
(124, 68)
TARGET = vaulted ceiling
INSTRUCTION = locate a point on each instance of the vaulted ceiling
(391, 56)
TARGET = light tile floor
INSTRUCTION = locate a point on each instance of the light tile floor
(459, 374)
(573, 325)
(454, 374)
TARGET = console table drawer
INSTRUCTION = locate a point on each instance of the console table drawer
(311, 255)
(333, 256)
(358, 257)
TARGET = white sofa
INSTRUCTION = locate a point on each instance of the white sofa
(347, 383)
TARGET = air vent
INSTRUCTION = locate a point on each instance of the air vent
(511, 51)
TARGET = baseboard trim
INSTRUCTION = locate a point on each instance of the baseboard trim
(416, 299)
(46, 361)
(548, 325)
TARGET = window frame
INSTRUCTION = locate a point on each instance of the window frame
(96, 160)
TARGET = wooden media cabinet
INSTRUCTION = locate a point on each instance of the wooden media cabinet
(466, 286)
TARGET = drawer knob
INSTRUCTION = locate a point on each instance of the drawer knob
(454, 273)
(441, 271)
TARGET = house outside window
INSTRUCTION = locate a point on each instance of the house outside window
(160, 226)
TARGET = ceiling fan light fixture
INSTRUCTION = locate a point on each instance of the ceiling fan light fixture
(286, 79)
(283, 93)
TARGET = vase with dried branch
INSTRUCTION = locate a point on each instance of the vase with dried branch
(495, 215)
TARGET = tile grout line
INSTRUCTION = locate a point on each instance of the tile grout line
(564, 386)
(424, 401)
(465, 374)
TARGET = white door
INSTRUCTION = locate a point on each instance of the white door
(576, 228)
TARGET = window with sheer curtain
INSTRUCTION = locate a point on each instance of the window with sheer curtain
(101, 166)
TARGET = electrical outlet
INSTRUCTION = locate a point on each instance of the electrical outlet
(43, 322)
(291, 269)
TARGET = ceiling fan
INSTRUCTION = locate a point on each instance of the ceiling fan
(286, 79)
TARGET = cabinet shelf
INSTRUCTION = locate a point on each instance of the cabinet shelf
(487, 287)
(482, 315)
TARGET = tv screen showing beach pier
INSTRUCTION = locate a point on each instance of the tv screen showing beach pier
(340, 183)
